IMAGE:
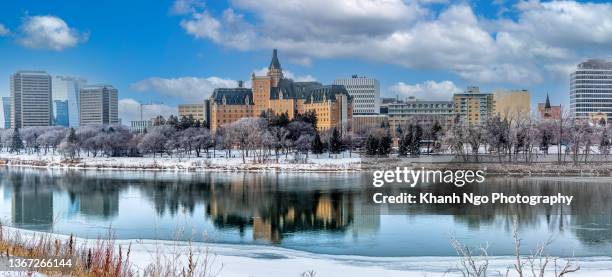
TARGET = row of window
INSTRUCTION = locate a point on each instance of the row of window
(590, 82)
(592, 72)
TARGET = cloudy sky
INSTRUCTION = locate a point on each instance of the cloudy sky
(171, 52)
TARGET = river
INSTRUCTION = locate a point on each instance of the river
(329, 213)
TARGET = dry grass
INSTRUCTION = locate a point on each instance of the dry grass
(536, 264)
(103, 258)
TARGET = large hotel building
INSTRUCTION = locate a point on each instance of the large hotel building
(591, 90)
(276, 94)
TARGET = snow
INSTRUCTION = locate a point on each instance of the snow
(253, 260)
(323, 162)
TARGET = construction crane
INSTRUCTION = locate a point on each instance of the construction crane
(148, 104)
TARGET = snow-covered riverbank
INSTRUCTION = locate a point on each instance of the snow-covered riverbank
(253, 260)
(340, 162)
(343, 162)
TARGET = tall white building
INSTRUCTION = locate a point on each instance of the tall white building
(30, 99)
(67, 89)
(365, 92)
(591, 89)
(98, 105)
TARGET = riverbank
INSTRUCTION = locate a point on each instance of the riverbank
(321, 163)
(493, 167)
(252, 260)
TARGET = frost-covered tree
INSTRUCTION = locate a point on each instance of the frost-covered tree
(69, 146)
(52, 138)
(474, 139)
(16, 142)
(155, 140)
(384, 144)
(372, 145)
(335, 142)
(456, 139)
(246, 134)
(304, 144)
(496, 134)
(317, 145)
(415, 133)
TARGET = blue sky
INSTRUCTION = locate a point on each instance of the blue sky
(178, 51)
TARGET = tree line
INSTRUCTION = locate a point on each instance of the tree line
(272, 136)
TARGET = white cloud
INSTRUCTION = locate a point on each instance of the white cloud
(49, 32)
(303, 61)
(233, 31)
(129, 110)
(3, 30)
(414, 35)
(186, 88)
(186, 6)
(427, 90)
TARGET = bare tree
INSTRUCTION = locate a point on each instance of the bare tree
(155, 140)
(246, 134)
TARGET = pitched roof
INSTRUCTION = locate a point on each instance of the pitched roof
(547, 105)
(288, 89)
(232, 96)
(274, 63)
(324, 93)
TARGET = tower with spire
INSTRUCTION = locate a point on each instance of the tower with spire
(275, 71)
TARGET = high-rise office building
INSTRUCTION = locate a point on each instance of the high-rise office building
(365, 92)
(6, 110)
(591, 89)
(67, 89)
(30, 99)
(98, 105)
(474, 107)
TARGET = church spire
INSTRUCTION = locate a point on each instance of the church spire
(547, 105)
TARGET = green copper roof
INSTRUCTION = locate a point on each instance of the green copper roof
(275, 63)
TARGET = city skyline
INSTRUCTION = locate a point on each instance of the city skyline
(178, 52)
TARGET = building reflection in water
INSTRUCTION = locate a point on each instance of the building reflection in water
(261, 202)
(95, 198)
(100, 204)
(32, 205)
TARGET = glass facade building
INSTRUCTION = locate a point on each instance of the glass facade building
(60, 113)
(6, 110)
(67, 89)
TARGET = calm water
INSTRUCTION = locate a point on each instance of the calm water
(321, 213)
